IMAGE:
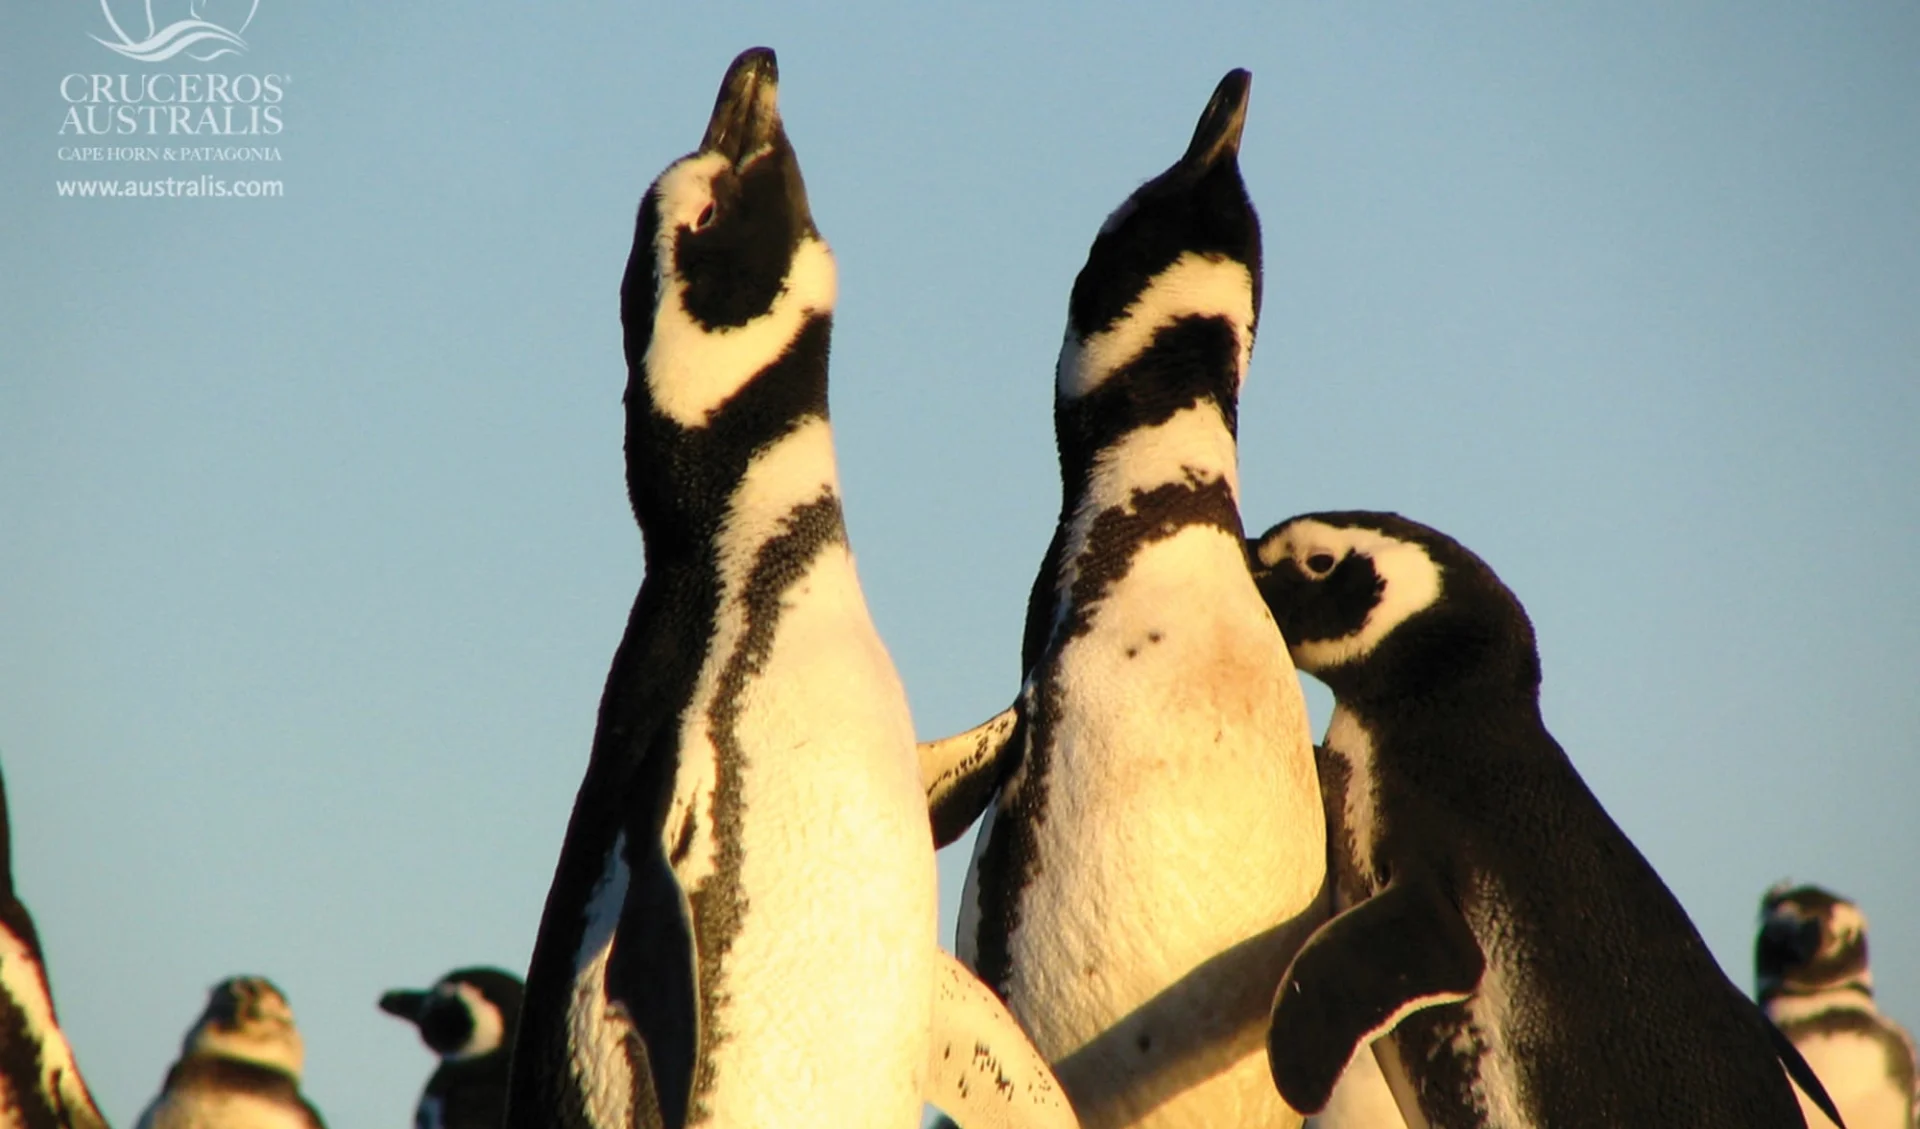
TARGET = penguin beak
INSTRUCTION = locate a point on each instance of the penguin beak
(406, 1005)
(1217, 137)
(746, 115)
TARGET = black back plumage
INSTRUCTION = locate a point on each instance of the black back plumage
(468, 1090)
(734, 264)
(1625, 1018)
(36, 1065)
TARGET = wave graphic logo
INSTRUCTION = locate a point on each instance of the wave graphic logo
(197, 35)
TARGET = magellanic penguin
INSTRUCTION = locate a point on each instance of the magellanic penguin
(1360, 1100)
(468, 1019)
(741, 926)
(40, 1085)
(239, 1067)
(1153, 849)
(1527, 964)
(1814, 983)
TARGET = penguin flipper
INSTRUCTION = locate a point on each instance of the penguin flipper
(653, 972)
(982, 1070)
(1801, 1074)
(962, 772)
(1404, 949)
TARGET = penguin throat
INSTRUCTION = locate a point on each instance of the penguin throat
(1193, 447)
(797, 471)
(278, 1050)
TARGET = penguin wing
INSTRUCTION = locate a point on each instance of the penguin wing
(653, 972)
(1404, 949)
(982, 1070)
(962, 772)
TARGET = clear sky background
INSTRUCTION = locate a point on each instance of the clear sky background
(314, 545)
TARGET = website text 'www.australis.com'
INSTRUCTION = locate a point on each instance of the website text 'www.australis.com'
(171, 186)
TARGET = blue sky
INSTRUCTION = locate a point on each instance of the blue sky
(313, 538)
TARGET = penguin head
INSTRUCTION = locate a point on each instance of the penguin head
(1811, 940)
(468, 1014)
(1378, 606)
(727, 272)
(1162, 316)
(247, 1018)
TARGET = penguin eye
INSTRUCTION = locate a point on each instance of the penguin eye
(705, 219)
(1320, 564)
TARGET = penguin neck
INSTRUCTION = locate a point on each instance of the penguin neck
(280, 1051)
(1787, 1002)
(690, 482)
(798, 472)
(1153, 468)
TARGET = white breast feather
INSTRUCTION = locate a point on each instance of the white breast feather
(833, 973)
(1494, 1011)
(1851, 1065)
(1348, 738)
(1181, 794)
(597, 1030)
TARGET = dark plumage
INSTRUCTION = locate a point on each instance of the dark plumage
(1539, 970)
(467, 1018)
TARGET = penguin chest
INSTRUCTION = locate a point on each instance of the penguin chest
(1178, 819)
(208, 1108)
(1854, 1067)
(799, 831)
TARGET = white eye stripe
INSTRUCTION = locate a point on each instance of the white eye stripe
(489, 1030)
(680, 195)
(1410, 583)
(692, 370)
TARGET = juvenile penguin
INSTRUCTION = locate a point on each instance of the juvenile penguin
(1526, 964)
(1153, 849)
(40, 1085)
(741, 926)
(239, 1067)
(1814, 983)
(468, 1019)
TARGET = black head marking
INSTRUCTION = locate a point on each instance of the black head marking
(1199, 205)
(728, 291)
(1162, 315)
(445, 1015)
(739, 214)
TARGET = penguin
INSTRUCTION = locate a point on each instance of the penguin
(239, 1067)
(1360, 1100)
(1811, 963)
(1153, 847)
(467, 1018)
(741, 925)
(1523, 961)
(40, 1084)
